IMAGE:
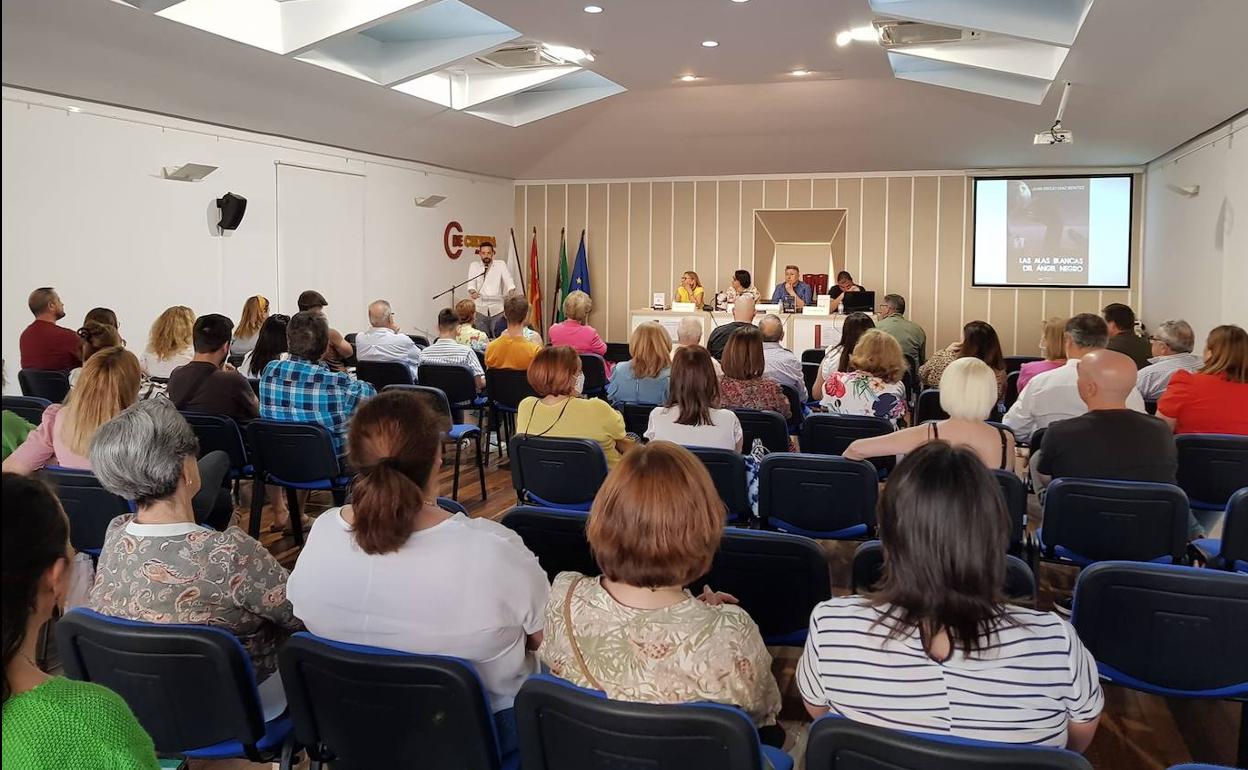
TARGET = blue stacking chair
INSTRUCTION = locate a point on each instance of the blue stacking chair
(458, 433)
(50, 385)
(868, 568)
(29, 408)
(218, 432)
(556, 538)
(594, 367)
(379, 374)
(837, 743)
(88, 505)
(767, 426)
(357, 707)
(460, 386)
(191, 687)
(727, 470)
(927, 406)
(818, 496)
(1015, 492)
(1168, 630)
(636, 416)
(507, 388)
(1231, 551)
(797, 410)
(1090, 520)
(560, 473)
(1211, 468)
(294, 456)
(565, 727)
(831, 434)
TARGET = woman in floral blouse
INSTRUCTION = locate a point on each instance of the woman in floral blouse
(743, 385)
(979, 340)
(873, 386)
(159, 566)
(634, 632)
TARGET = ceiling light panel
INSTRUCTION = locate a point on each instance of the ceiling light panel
(1052, 21)
(1004, 85)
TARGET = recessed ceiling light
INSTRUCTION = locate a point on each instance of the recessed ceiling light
(74, 109)
(567, 53)
(709, 43)
(593, 9)
(688, 78)
(740, 1)
(800, 73)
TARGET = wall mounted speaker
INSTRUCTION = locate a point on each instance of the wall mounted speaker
(232, 209)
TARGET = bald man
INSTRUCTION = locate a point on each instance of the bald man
(779, 363)
(382, 341)
(742, 315)
(1110, 441)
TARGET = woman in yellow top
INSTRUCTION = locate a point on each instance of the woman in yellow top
(558, 411)
(690, 288)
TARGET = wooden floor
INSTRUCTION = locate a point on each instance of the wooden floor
(1137, 731)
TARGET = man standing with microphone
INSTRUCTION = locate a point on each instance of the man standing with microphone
(490, 284)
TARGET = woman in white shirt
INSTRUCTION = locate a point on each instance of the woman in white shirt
(170, 342)
(394, 570)
(690, 417)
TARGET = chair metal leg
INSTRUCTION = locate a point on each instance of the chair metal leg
(455, 485)
(296, 514)
(257, 506)
(481, 464)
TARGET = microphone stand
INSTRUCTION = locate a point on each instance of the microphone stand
(456, 286)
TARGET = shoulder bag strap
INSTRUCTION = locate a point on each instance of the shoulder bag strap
(576, 648)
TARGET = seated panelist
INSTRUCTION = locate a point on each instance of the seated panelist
(793, 290)
(690, 288)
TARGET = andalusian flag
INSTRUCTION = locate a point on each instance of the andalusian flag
(535, 288)
(561, 280)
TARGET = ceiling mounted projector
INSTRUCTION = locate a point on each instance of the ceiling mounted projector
(894, 32)
(1056, 134)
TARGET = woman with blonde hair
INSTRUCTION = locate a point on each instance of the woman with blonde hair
(255, 311)
(1214, 398)
(873, 387)
(690, 289)
(170, 342)
(644, 378)
(1052, 347)
(467, 334)
(576, 332)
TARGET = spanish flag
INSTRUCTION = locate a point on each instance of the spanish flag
(535, 288)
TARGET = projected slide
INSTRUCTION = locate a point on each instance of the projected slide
(1053, 231)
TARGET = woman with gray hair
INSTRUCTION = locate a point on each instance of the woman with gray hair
(159, 566)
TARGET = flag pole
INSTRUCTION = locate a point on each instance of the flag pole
(515, 252)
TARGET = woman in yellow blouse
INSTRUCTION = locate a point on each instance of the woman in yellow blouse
(690, 288)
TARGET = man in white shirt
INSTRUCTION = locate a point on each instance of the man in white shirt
(382, 341)
(451, 353)
(689, 332)
(779, 363)
(491, 282)
(1054, 395)
(1172, 351)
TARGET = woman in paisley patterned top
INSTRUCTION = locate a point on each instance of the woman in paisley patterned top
(635, 632)
(158, 565)
(873, 386)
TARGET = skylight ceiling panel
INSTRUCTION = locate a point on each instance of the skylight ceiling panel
(994, 52)
(1048, 21)
(565, 93)
(1003, 85)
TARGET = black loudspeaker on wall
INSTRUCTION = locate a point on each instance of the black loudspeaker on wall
(232, 209)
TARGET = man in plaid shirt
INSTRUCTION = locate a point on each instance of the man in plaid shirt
(303, 389)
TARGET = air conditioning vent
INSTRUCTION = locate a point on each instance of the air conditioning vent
(895, 33)
(519, 57)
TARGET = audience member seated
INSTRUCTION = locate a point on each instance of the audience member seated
(255, 311)
(575, 332)
(270, 346)
(558, 411)
(1214, 398)
(836, 358)
(445, 350)
(16, 429)
(909, 335)
(979, 340)
(1052, 352)
(690, 416)
(1172, 347)
(689, 332)
(934, 648)
(467, 334)
(104, 316)
(1054, 395)
(844, 283)
(742, 316)
(793, 291)
(635, 633)
(51, 721)
(208, 384)
(1120, 321)
(383, 343)
(779, 363)
(516, 347)
(873, 386)
(968, 396)
(44, 344)
(742, 285)
(302, 388)
(376, 571)
(170, 342)
(95, 337)
(743, 385)
(159, 566)
(1109, 441)
(690, 289)
(337, 350)
(643, 379)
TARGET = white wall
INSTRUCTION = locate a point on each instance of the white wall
(1196, 247)
(85, 210)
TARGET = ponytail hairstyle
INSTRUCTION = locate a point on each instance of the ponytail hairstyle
(394, 442)
(36, 536)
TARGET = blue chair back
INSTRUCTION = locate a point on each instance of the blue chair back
(420, 340)
(818, 496)
(508, 387)
(727, 469)
(842, 744)
(1015, 492)
(927, 407)
(436, 396)
(831, 434)
(457, 382)
(777, 577)
(1089, 520)
(52, 386)
(556, 472)
(868, 568)
(767, 426)
(1212, 467)
(1234, 547)
(88, 505)
(594, 368)
(636, 416)
(564, 727)
(191, 687)
(29, 408)
(1011, 389)
(812, 358)
(797, 416)
(359, 707)
(556, 538)
(299, 455)
(1015, 363)
(379, 374)
(220, 433)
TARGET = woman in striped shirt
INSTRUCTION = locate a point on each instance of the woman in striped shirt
(935, 649)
